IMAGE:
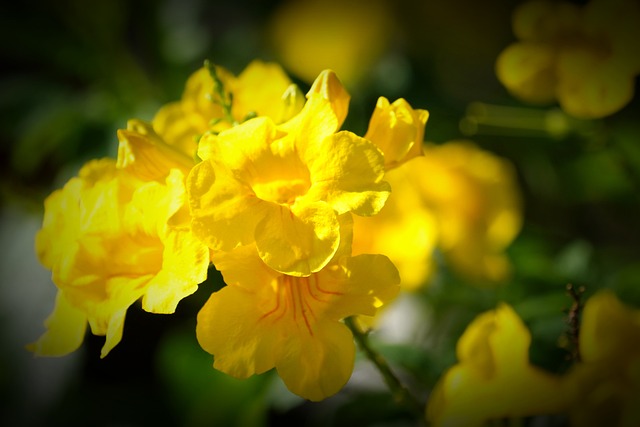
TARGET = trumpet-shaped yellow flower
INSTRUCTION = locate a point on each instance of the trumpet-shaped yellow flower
(109, 239)
(606, 382)
(262, 89)
(397, 130)
(405, 230)
(264, 319)
(493, 378)
(585, 58)
(283, 187)
(458, 198)
(475, 198)
(348, 37)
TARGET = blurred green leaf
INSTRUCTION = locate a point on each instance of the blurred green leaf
(204, 396)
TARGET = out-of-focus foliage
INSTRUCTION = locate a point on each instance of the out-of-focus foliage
(74, 72)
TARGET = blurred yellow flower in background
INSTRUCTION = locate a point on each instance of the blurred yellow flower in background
(405, 230)
(476, 199)
(457, 198)
(110, 238)
(346, 36)
(493, 378)
(264, 319)
(262, 89)
(586, 57)
(606, 382)
(283, 187)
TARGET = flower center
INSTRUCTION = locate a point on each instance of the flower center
(282, 191)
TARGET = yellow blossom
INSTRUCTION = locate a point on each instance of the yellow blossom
(405, 230)
(457, 198)
(475, 198)
(264, 319)
(606, 382)
(283, 187)
(586, 58)
(493, 378)
(109, 239)
(262, 89)
(397, 130)
(346, 36)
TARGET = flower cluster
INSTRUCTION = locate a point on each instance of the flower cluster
(245, 174)
(586, 58)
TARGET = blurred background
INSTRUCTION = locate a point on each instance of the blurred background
(73, 72)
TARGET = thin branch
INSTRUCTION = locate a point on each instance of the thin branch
(398, 391)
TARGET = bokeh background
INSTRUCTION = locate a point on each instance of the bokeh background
(73, 72)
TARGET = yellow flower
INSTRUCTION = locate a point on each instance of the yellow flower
(111, 238)
(262, 89)
(405, 230)
(397, 130)
(493, 378)
(348, 37)
(264, 319)
(606, 382)
(283, 187)
(476, 200)
(585, 58)
(458, 198)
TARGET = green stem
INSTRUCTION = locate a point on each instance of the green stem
(398, 391)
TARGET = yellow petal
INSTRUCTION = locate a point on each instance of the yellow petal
(591, 87)
(60, 212)
(246, 150)
(346, 171)
(242, 267)
(230, 327)
(364, 282)
(527, 70)
(114, 332)
(327, 90)
(173, 127)
(298, 241)
(225, 212)
(609, 329)
(146, 155)
(495, 339)
(316, 367)
(292, 102)
(324, 112)
(66, 327)
(185, 261)
(260, 89)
